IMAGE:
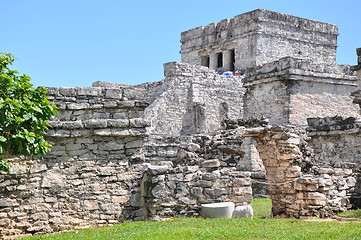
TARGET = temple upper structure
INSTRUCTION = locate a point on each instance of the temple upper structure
(258, 37)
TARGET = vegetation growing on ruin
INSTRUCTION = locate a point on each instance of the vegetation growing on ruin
(24, 112)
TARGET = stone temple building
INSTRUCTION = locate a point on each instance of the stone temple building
(258, 37)
(258, 107)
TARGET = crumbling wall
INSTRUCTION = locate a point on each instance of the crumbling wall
(194, 99)
(180, 191)
(299, 183)
(303, 176)
(91, 176)
(188, 171)
(336, 145)
(313, 173)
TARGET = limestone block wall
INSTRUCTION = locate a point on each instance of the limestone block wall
(187, 171)
(180, 191)
(259, 37)
(91, 176)
(193, 99)
(336, 144)
(290, 90)
(225, 148)
(302, 180)
(280, 152)
(299, 183)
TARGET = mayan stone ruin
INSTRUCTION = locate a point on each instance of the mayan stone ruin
(258, 107)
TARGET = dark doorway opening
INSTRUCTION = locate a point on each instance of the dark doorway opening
(219, 60)
(233, 60)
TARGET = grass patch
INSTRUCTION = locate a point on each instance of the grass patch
(261, 207)
(351, 214)
(198, 228)
(221, 229)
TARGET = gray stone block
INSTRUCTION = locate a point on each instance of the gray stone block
(243, 212)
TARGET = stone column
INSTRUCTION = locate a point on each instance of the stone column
(213, 61)
(227, 60)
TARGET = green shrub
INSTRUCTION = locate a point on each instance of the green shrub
(24, 114)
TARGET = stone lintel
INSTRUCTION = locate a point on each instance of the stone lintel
(300, 70)
(333, 126)
(336, 132)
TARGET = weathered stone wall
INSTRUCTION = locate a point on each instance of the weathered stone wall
(290, 90)
(91, 176)
(336, 145)
(191, 99)
(194, 99)
(104, 168)
(190, 170)
(180, 191)
(314, 173)
(299, 183)
(259, 37)
(187, 171)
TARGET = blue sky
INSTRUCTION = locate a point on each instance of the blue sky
(68, 43)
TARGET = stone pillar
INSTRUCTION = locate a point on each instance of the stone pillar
(213, 61)
(251, 160)
(227, 60)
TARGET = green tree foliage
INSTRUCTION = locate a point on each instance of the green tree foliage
(24, 114)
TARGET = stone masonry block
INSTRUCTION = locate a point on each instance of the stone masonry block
(132, 94)
(66, 91)
(116, 93)
(89, 91)
(78, 106)
(211, 163)
(95, 123)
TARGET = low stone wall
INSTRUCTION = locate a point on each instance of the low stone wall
(91, 176)
(336, 144)
(297, 181)
(180, 191)
(188, 171)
